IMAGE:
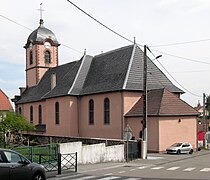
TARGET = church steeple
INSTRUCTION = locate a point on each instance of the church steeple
(41, 53)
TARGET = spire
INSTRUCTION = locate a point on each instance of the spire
(134, 40)
(41, 22)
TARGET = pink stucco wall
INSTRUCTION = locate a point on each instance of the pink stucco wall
(164, 131)
(136, 126)
(68, 125)
(173, 130)
(130, 98)
(99, 129)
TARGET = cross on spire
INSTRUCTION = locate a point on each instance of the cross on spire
(41, 10)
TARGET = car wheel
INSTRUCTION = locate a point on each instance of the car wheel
(39, 177)
(191, 151)
(178, 151)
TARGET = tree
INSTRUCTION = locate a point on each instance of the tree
(12, 124)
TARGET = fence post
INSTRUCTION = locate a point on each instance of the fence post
(59, 163)
(40, 159)
(31, 149)
(76, 162)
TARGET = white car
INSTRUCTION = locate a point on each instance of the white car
(179, 148)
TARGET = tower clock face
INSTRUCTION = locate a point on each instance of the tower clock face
(47, 45)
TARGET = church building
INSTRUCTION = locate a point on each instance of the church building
(97, 96)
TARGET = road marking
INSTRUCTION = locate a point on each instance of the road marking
(172, 168)
(109, 178)
(121, 172)
(133, 178)
(205, 170)
(142, 167)
(157, 168)
(77, 176)
(132, 169)
(189, 169)
(83, 178)
(109, 174)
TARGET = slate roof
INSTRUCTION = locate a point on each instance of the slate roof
(5, 104)
(161, 102)
(65, 75)
(117, 70)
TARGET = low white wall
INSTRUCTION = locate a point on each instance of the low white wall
(94, 153)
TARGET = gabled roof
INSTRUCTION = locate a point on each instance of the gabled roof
(65, 75)
(117, 70)
(5, 104)
(161, 102)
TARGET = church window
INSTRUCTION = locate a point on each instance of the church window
(40, 114)
(106, 111)
(57, 121)
(31, 57)
(31, 114)
(47, 57)
(91, 112)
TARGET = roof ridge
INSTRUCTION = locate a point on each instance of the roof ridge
(129, 66)
(161, 100)
(112, 51)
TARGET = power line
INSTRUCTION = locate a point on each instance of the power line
(180, 57)
(171, 75)
(25, 27)
(100, 22)
(177, 81)
(15, 22)
(181, 43)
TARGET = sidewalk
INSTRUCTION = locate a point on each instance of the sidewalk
(152, 160)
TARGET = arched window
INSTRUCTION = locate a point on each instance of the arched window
(57, 121)
(31, 57)
(47, 57)
(40, 114)
(31, 114)
(91, 112)
(106, 111)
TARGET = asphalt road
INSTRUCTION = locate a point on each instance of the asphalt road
(157, 167)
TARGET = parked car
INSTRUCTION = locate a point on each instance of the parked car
(179, 148)
(14, 166)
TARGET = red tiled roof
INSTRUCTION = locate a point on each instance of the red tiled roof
(161, 102)
(5, 104)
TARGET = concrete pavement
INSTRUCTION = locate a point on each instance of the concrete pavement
(152, 160)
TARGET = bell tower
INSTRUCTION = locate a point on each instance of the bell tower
(41, 53)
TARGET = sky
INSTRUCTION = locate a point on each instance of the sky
(179, 30)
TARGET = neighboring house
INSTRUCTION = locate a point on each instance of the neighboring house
(170, 120)
(202, 125)
(5, 104)
(89, 97)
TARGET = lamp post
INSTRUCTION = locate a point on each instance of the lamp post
(144, 128)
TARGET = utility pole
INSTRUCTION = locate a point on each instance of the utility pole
(204, 120)
(144, 142)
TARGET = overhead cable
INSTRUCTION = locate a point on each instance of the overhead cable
(38, 32)
(100, 22)
(180, 57)
(181, 43)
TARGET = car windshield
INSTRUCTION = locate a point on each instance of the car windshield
(176, 145)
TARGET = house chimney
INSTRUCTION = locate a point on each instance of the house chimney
(22, 89)
(53, 80)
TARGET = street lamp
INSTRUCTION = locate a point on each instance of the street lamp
(144, 142)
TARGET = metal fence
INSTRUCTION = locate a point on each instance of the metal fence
(61, 162)
(33, 152)
(133, 150)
